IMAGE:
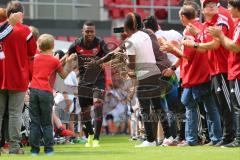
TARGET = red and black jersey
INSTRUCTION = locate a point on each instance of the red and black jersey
(96, 50)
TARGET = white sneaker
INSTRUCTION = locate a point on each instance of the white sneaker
(146, 144)
(167, 142)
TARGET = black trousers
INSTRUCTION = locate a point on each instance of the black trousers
(149, 92)
(220, 86)
(235, 101)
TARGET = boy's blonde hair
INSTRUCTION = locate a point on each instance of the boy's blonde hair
(45, 42)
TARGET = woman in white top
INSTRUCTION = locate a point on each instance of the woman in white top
(142, 62)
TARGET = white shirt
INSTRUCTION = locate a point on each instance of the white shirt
(71, 79)
(171, 35)
(140, 45)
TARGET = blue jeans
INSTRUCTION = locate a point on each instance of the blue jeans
(40, 109)
(190, 97)
(171, 106)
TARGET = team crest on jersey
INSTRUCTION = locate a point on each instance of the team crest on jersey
(95, 51)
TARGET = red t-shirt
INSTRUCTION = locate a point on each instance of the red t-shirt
(194, 70)
(217, 58)
(234, 58)
(45, 68)
(18, 47)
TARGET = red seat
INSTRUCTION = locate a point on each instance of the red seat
(160, 2)
(112, 39)
(72, 38)
(175, 2)
(145, 2)
(125, 11)
(123, 1)
(144, 13)
(62, 38)
(108, 3)
(115, 13)
(161, 14)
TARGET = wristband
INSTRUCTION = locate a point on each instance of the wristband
(195, 45)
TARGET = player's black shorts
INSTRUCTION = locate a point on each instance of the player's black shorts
(87, 92)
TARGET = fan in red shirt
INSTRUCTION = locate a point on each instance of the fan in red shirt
(233, 64)
(217, 58)
(195, 83)
(18, 46)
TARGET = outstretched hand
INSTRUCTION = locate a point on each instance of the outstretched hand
(71, 57)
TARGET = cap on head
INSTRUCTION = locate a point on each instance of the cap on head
(203, 2)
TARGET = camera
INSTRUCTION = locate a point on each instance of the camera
(118, 30)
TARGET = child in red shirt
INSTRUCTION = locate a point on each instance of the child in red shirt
(45, 68)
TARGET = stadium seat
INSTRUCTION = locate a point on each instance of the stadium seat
(62, 38)
(108, 3)
(161, 14)
(72, 38)
(125, 11)
(145, 2)
(160, 2)
(113, 39)
(175, 2)
(144, 13)
(115, 13)
(123, 1)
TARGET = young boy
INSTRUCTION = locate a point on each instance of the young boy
(45, 67)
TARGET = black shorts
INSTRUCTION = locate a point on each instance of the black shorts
(86, 93)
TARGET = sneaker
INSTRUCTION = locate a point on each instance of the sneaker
(146, 144)
(167, 141)
(60, 140)
(49, 153)
(211, 143)
(81, 141)
(34, 153)
(174, 143)
(235, 143)
(89, 141)
(222, 143)
(134, 138)
(4, 150)
(16, 151)
(96, 143)
(185, 144)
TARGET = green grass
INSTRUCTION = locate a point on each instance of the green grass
(120, 148)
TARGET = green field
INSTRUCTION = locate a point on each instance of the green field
(120, 148)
